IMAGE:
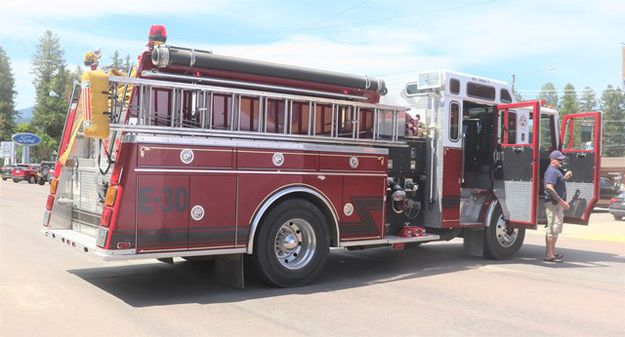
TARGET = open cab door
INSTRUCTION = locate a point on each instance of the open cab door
(580, 141)
(516, 181)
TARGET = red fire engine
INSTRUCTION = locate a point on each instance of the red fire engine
(198, 154)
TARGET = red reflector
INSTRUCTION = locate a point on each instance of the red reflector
(612, 201)
(50, 202)
(105, 219)
(123, 245)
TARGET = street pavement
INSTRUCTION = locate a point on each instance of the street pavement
(49, 289)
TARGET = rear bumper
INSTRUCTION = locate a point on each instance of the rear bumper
(87, 244)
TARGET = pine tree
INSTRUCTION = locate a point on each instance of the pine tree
(127, 63)
(116, 62)
(588, 101)
(549, 93)
(613, 107)
(73, 77)
(569, 103)
(51, 80)
(7, 94)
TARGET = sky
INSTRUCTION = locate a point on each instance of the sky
(561, 41)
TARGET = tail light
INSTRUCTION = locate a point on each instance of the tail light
(111, 194)
(50, 202)
(53, 185)
(613, 201)
(105, 219)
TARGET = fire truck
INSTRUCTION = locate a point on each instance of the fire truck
(194, 154)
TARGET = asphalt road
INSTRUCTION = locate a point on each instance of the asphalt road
(48, 289)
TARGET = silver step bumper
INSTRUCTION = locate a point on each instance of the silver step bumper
(391, 239)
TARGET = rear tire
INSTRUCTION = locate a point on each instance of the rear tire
(15, 180)
(291, 245)
(501, 242)
(32, 180)
(617, 217)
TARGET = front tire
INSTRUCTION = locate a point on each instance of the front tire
(617, 217)
(32, 180)
(501, 242)
(291, 246)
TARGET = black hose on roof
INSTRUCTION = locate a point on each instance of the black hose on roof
(167, 56)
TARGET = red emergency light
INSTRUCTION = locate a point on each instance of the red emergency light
(157, 36)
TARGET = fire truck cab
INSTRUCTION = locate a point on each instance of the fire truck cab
(488, 156)
(198, 154)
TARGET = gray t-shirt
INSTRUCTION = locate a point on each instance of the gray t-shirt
(555, 177)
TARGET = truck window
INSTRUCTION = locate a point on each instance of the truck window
(482, 91)
(547, 141)
(579, 134)
(454, 120)
(505, 96)
(454, 86)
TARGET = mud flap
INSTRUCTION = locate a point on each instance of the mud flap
(230, 271)
(473, 243)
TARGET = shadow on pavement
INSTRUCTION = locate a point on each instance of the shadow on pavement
(153, 284)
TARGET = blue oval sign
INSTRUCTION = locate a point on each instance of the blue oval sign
(26, 138)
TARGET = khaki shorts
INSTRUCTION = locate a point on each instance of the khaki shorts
(555, 217)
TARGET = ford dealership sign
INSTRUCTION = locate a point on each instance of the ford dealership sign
(25, 138)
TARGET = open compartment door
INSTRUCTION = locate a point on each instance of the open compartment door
(580, 141)
(516, 180)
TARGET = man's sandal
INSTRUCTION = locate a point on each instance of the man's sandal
(553, 259)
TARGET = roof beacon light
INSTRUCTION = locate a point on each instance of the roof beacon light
(157, 36)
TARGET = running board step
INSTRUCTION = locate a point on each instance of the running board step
(391, 239)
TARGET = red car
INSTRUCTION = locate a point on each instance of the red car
(28, 172)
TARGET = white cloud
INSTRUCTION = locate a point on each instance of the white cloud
(528, 33)
(83, 9)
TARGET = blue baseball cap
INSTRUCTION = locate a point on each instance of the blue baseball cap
(557, 155)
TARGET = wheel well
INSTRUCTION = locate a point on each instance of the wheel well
(321, 205)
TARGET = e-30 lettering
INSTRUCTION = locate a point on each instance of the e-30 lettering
(169, 200)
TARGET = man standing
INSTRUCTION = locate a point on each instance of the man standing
(555, 203)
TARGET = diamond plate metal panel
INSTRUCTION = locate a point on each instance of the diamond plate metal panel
(516, 199)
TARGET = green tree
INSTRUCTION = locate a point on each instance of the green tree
(588, 101)
(116, 62)
(613, 107)
(7, 94)
(549, 93)
(127, 63)
(51, 81)
(73, 77)
(569, 103)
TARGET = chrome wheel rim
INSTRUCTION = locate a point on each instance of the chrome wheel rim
(506, 237)
(295, 244)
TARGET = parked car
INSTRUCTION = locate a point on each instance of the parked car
(607, 191)
(5, 172)
(45, 174)
(617, 206)
(28, 172)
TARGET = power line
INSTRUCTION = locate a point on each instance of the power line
(312, 24)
